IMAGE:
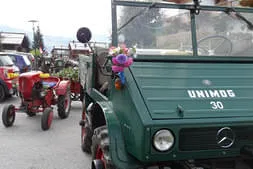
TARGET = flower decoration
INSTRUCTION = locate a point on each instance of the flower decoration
(121, 59)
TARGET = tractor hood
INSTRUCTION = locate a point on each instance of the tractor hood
(195, 90)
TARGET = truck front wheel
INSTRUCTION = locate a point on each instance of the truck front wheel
(100, 148)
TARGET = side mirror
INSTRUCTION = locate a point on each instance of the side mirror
(83, 35)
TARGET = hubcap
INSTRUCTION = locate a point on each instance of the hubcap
(100, 154)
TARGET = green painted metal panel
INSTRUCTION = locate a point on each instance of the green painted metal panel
(132, 118)
(195, 90)
(118, 152)
(133, 115)
(198, 140)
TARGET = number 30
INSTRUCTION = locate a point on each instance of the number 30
(216, 105)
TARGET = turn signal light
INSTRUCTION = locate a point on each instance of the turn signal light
(118, 84)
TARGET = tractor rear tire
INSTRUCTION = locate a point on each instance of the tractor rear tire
(86, 136)
(100, 147)
(86, 131)
(8, 115)
(81, 93)
(46, 119)
(64, 104)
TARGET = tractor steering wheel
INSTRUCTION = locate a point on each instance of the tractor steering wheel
(216, 45)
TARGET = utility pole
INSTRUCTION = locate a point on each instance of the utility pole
(1, 47)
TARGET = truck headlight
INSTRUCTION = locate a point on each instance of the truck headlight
(163, 140)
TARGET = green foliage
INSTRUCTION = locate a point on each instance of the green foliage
(26, 43)
(68, 73)
(35, 52)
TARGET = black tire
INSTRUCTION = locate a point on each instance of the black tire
(81, 93)
(8, 115)
(64, 105)
(86, 139)
(46, 119)
(2, 93)
(86, 132)
(100, 145)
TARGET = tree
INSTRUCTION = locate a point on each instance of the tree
(25, 44)
(140, 30)
(38, 41)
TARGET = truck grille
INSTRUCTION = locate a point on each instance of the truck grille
(194, 139)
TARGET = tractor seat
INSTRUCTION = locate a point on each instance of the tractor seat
(48, 84)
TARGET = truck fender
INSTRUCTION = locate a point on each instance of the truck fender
(62, 87)
(118, 152)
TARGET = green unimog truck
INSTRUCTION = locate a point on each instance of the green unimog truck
(186, 101)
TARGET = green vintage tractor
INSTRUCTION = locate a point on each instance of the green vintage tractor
(186, 100)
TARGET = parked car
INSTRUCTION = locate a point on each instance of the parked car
(9, 62)
(30, 57)
(8, 77)
(21, 61)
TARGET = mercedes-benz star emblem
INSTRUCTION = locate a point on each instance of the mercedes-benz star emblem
(225, 137)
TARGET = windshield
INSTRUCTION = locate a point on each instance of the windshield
(26, 59)
(203, 2)
(168, 31)
(5, 61)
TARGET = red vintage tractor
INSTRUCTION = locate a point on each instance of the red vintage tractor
(38, 92)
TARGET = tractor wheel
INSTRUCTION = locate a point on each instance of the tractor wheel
(86, 136)
(100, 148)
(46, 119)
(64, 104)
(8, 115)
(2, 93)
(86, 132)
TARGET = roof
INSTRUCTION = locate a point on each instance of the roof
(60, 48)
(11, 38)
(79, 46)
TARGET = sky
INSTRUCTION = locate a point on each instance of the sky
(58, 17)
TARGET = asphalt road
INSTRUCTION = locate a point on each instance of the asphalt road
(26, 146)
